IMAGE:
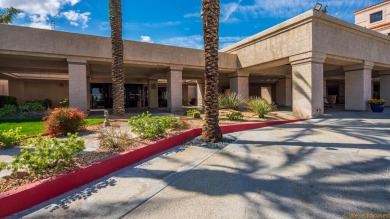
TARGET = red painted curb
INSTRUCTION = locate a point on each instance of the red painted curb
(32, 194)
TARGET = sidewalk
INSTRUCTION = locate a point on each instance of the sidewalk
(322, 168)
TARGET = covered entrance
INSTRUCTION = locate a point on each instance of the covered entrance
(101, 95)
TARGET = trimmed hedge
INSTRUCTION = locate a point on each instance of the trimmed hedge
(7, 100)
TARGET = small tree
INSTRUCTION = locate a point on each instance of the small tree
(8, 14)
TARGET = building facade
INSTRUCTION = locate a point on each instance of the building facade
(375, 17)
(297, 63)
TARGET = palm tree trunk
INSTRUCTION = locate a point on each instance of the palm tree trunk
(211, 131)
(117, 71)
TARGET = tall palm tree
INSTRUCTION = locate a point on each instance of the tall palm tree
(117, 71)
(211, 131)
(8, 14)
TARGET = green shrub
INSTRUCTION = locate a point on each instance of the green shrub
(260, 106)
(230, 100)
(7, 100)
(234, 116)
(152, 127)
(196, 115)
(11, 137)
(64, 120)
(191, 112)
(64, 103)
(111, 139)
(31, 110)
(8, 110)
(42, 154)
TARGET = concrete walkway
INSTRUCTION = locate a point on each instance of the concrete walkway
(322, 168)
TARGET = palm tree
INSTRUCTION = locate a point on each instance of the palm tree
(211, 131)
(117, 71)
(8, 15)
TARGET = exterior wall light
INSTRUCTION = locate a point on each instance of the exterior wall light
(318, 7)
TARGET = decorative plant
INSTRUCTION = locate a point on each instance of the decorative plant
(376, 101)
(111, 139)
(11, 137)
(31, 110)
(8, 110)
(64, 103)
(234, 116)
(191, 112)
(151, 127)
(63, 121)
(260, 106)
(230, 100)
(42, 154)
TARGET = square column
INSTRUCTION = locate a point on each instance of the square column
(307, 84)
(385, 87)
(358, 84)
(239, 83)
(152, 93)
(200, 92)
(175, 90)
(78, 84)
(284, 92)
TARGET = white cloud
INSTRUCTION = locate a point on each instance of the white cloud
(227, 10)
(146, 39)
(189, 15)
(39, 12)
(289, 8)
(143, 25)
(77, 18)
(196, 41)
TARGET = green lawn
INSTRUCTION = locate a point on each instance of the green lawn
(35, 127)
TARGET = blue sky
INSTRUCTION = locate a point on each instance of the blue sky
(172, 22)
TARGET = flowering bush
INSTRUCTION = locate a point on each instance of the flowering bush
(64, 120)
(376, 101)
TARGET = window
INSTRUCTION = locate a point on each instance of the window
(377, 16)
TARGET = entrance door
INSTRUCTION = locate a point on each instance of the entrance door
(101, 96)
(133, 95)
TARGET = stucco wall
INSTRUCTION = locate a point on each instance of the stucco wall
(26, 40)
(281, 41)
(29, 90)
(340, 38)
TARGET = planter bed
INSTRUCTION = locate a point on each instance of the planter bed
(26, 196)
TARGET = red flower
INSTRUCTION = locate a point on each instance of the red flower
(44, 118)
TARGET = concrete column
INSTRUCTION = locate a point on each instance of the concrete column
(284, 92)
(307, 83)
(200, 92)
(385, 87)
(78, 84)
(153, 93)
(239, 83)
(185, 93)
(358, 83)
(175, 92)
(4, 87)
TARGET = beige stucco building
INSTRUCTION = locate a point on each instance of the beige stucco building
(375, 17)
(297, 63)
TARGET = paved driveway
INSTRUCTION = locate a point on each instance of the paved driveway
(322, 168)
